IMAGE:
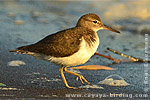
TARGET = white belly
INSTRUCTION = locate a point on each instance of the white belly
(80, 57)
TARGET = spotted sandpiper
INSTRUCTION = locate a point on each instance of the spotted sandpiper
(69, 47)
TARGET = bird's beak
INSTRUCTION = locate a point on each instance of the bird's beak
(105, 27)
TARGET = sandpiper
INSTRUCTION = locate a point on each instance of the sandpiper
(69, 47)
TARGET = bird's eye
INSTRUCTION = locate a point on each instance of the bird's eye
(94, 21)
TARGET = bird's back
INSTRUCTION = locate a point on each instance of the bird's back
(61, 44)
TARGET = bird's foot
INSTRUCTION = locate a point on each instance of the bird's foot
(82, 79)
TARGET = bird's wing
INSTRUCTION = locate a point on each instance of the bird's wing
(60, 44)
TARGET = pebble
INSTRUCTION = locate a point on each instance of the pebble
(11, 14)
(35, 14)
(19, 22)
(16, 63)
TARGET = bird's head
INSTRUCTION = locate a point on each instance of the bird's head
(92, 21)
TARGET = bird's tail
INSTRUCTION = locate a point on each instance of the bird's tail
(19, 51)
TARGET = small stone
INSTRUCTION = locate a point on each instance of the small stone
(16, 63)
(19, 22)
(35, 14)
(11, 14)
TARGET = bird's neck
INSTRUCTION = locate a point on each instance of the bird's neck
(91, 38)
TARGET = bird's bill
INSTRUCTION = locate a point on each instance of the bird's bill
(109, 28)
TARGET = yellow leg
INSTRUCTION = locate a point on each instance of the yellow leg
(64, 79)
(78, 76)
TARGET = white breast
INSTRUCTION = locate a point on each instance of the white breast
(80, 57)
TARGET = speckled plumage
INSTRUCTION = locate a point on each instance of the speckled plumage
(61, 44)
(70, 47)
